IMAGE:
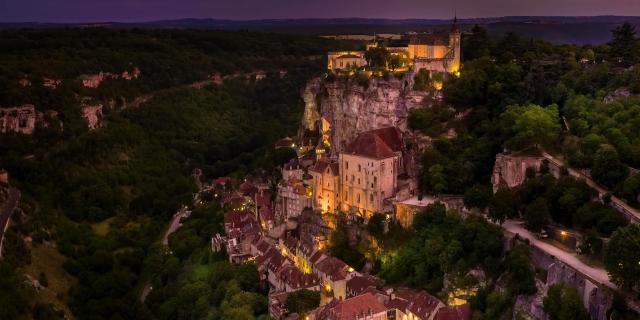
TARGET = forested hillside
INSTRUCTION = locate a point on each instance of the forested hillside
(95, 201)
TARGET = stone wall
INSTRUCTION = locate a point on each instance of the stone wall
(596, 299)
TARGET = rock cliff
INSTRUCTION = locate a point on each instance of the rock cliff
(347, 108)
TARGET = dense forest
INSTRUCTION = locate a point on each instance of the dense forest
(96, 202)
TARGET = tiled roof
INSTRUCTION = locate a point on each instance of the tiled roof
(359, 284)
(349, 56)
(379, 144)
(424, 305)
(322, 164)
(361, 305)
(334, 268)
(295, 279)
(462, 312)
(426, 39)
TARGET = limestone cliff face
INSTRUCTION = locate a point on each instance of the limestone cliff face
(349, 108)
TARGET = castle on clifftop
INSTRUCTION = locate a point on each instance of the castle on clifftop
(424, 51)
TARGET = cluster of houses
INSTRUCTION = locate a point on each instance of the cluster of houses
(299, 260)
(285, 230)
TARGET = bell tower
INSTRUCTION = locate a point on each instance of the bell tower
(454, 45)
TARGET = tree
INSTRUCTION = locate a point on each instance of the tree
(563, 303)
(433, 212)
(303, 301)
(421, 80)
(375, 225)
(478, 196)
(624, 47)
(377, 57)
(437, 178)
(607, 167)
(622, 256)
(503, 205)
(531, 125)
(520, 272)
(536, 215)
(477, 44)
(395, 62)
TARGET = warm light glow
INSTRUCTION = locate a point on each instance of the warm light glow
(563, 233)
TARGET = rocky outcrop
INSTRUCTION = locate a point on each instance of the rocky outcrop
(619, 93)
(92, 114)
(94, 80)
(350, 108)
(21, 119)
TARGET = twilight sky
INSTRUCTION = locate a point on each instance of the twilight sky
(145, 10)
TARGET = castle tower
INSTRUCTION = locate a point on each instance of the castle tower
(454, 44)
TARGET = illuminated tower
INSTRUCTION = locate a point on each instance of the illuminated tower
(454, 44)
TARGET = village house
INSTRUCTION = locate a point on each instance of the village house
(326, 175)
(369, 170)
(241, 229)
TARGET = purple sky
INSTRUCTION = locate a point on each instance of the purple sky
(145, 10)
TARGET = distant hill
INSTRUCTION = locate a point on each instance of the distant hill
(578, 30)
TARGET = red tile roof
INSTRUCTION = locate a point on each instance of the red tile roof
(365, 304)
(424, 305)
(333, 268)
(359, 284)
(462, 312)
(379, 144)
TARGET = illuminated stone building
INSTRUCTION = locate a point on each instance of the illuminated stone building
(369, 170)
(425, 51)
(326, 181)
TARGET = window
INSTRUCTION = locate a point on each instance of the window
(371, 198)
(358, 198)
(346, 195)
(346, 164)
(358, 180)
(359, 168)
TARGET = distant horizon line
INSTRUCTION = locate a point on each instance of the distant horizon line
(316, 19)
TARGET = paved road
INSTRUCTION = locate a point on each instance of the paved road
(596, 274)
(6, 212)
(175, 224)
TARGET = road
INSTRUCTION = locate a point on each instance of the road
(617, 203)
(175, 224)
(596, 274)
(6, 212)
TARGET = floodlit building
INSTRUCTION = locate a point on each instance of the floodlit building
(424, 51)
(369, 170)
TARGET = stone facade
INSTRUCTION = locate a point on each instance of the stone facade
(92, 114)
(509, 169)
(20, 119)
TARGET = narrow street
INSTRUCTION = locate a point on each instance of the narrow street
(596, 274)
